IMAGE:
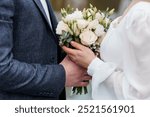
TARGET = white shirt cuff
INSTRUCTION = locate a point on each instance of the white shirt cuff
(94, 65)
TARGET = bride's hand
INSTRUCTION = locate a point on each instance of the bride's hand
(81, 55)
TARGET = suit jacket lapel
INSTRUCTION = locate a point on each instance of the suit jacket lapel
(39, 5)
(52, 16)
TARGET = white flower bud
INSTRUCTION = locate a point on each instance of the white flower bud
(75, 29)
(111, 12)
(74, 16)
(99, 16)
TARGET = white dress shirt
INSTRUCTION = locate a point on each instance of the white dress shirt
(124, 72)
(44, 4)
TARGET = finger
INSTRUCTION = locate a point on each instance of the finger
(85, 72)
(77, 45)
(82, 84)
(69, 50)
(86, 78)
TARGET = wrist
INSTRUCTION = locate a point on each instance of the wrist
(90, 61)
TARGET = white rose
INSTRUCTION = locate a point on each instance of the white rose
(93, 24)
(99, 30)
(88, 37)
(61, 27)
(82, 24)
(74, 16)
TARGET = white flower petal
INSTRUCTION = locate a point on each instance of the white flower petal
(88, 37)
(99, 30)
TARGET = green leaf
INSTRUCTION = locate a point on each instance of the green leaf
(69, 40)
(85, 90)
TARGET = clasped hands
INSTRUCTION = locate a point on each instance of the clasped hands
(76, 63)
(81, 55)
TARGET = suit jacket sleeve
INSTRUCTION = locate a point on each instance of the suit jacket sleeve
(19, 77)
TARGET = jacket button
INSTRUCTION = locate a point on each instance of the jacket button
(54, 60)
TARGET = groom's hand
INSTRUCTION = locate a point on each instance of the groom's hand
(75, 75)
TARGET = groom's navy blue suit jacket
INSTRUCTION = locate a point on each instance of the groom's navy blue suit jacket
(29, 52)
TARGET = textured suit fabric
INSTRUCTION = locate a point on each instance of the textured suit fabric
(29, 52)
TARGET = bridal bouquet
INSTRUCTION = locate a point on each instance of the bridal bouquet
(87, 27)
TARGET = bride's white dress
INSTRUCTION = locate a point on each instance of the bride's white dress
(124, 71)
